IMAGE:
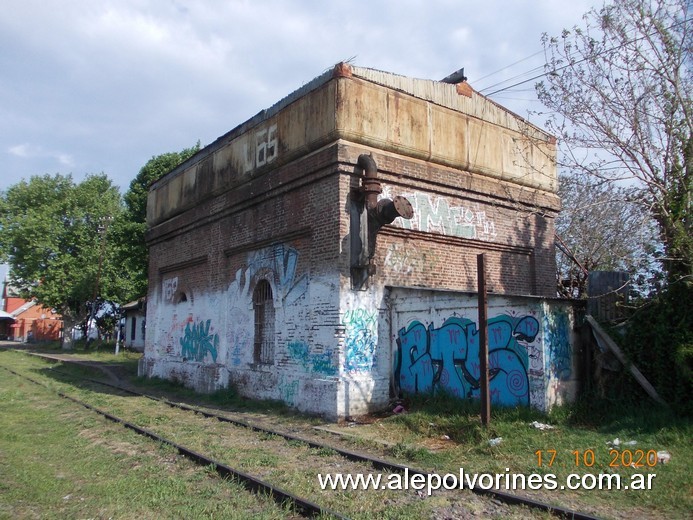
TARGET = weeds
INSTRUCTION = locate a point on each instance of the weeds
(443, 434)
(325, 452)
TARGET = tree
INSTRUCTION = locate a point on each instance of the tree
(130, 229)
(599, 228)
(620, 94)
(54, 236)
(619, 89)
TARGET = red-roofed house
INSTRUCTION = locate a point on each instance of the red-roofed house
(30, 320)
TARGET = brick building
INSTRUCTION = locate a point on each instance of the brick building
(324, 252)
(29, 320)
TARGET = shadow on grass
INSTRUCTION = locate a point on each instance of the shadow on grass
(97, 361)
(612, 415)
(460, 420)
(226, 399)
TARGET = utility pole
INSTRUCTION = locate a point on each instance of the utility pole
(103, 230)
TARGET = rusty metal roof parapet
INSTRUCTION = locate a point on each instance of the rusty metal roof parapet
(342, 70)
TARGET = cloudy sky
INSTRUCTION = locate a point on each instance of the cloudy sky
(90, 86)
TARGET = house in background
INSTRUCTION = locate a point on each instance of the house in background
(134, 329)
(32, 321)
(6, 321)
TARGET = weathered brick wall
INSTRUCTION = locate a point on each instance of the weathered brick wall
(291, 226)
(271, 200)
(281, 226)
(458, 215)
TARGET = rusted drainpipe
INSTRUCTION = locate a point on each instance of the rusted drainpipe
(369, 183)
(384, 211)
(367, 216)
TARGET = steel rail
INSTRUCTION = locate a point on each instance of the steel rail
(376, 463)
(251, 483)
(380, 464)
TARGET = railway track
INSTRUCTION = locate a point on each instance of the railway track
(301, 505)
(355, 462)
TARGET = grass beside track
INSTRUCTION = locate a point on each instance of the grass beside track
(58, 460)
(437, 434)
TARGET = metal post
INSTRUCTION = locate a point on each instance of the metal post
(102, 229)
(483, 342)
(117, 345)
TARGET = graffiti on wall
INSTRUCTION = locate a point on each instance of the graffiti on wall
(278, 260)
(239, 341)
(261, 149)
(170, 337)
(288, 390)
(404, 259)
(278, 264)
(557, 338)
(319, 363)
(436, 215)
(170, 286)
(197, 341)
(361, 337)
(447, 358)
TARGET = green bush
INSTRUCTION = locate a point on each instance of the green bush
(659, 341)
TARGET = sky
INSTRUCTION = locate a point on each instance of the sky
(102, 86)
(92, 86)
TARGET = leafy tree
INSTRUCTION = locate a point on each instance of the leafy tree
(600, 228)
(619, 89)
(130, 229)
(54, 234)
(659, 341)
(620, 94)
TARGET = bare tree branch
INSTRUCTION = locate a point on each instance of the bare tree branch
(619, 94)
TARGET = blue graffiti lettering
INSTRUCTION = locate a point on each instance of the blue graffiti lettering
(197, 342)
(282, 261)
(447, 358)
(288, 390)
(318, 363)
(361, 339)
(557, 337)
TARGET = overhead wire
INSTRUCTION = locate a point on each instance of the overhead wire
(517, 76)
(605, 51)
(508, 66)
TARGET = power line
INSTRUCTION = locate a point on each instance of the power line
(605, 51)
(513, 78)
(507, 67)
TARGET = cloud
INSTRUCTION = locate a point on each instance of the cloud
(20, 150)
(104, 86)
(65, 159)
(29, 151)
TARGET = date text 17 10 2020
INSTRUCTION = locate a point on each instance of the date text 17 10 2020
(617, 458)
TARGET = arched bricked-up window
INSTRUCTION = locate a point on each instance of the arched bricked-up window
(263, 304)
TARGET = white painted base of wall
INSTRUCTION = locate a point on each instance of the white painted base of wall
(360, 395)
(203, 378)
(315, 396)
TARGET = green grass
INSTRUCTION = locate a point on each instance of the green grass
(224, 398)
(261, 455)
(579, 430)
(60, 461)
(444, 435)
